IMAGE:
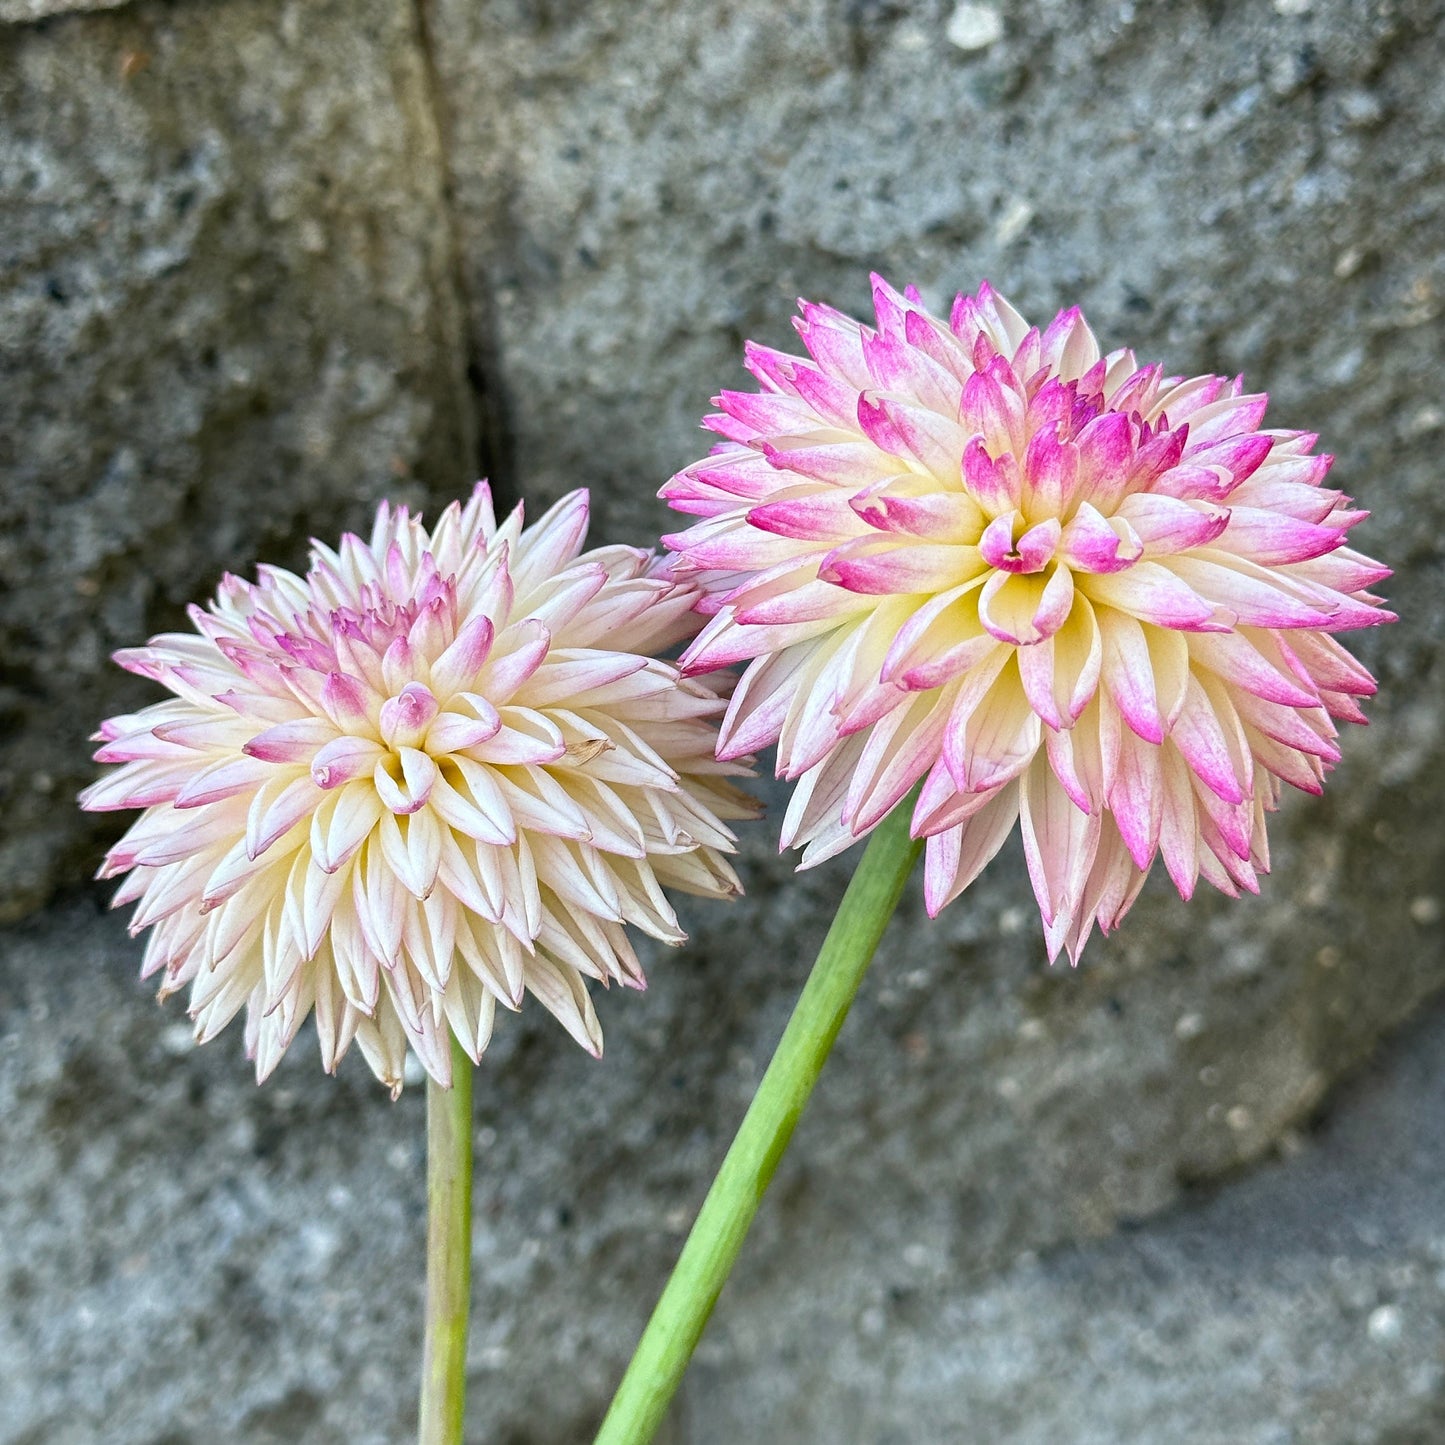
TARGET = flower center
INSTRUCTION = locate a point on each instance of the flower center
(404, 779)
(406, 717)
(1010, 545)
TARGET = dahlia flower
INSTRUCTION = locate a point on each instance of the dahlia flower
(440, 771)
(1055, 586)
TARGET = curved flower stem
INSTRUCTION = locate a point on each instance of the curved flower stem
(448, 1254)
(717, 1235)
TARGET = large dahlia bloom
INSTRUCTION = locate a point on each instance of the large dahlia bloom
(440, 771)
(1057, 587)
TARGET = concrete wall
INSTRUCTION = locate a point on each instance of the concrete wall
(263, 263)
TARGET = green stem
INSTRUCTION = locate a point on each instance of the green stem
(448, 1254)
(717, 1235)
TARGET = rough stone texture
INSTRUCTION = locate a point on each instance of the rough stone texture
(22, 10)
(227, 318)
(187, 1259)
(1304, 1305)
(637, 188)
(643, 186)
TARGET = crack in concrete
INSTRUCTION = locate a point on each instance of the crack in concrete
(471, 324)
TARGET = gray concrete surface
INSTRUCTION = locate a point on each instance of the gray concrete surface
(185, 1258)
(228, 319)
(307, 254)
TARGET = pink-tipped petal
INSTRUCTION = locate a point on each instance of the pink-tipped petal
(998, 560)
(342, 796)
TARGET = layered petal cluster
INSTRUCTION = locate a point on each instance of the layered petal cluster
(440, 771)
(1057, 587)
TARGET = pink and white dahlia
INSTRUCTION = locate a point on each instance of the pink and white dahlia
(440, 771)
(1057, 587)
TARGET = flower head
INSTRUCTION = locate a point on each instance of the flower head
(440, 771)
(1057, 587)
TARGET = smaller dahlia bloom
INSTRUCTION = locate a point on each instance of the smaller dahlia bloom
(442, 770)
(1059, 588)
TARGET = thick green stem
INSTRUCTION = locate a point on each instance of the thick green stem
(448, 1255)
(717, 1235)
